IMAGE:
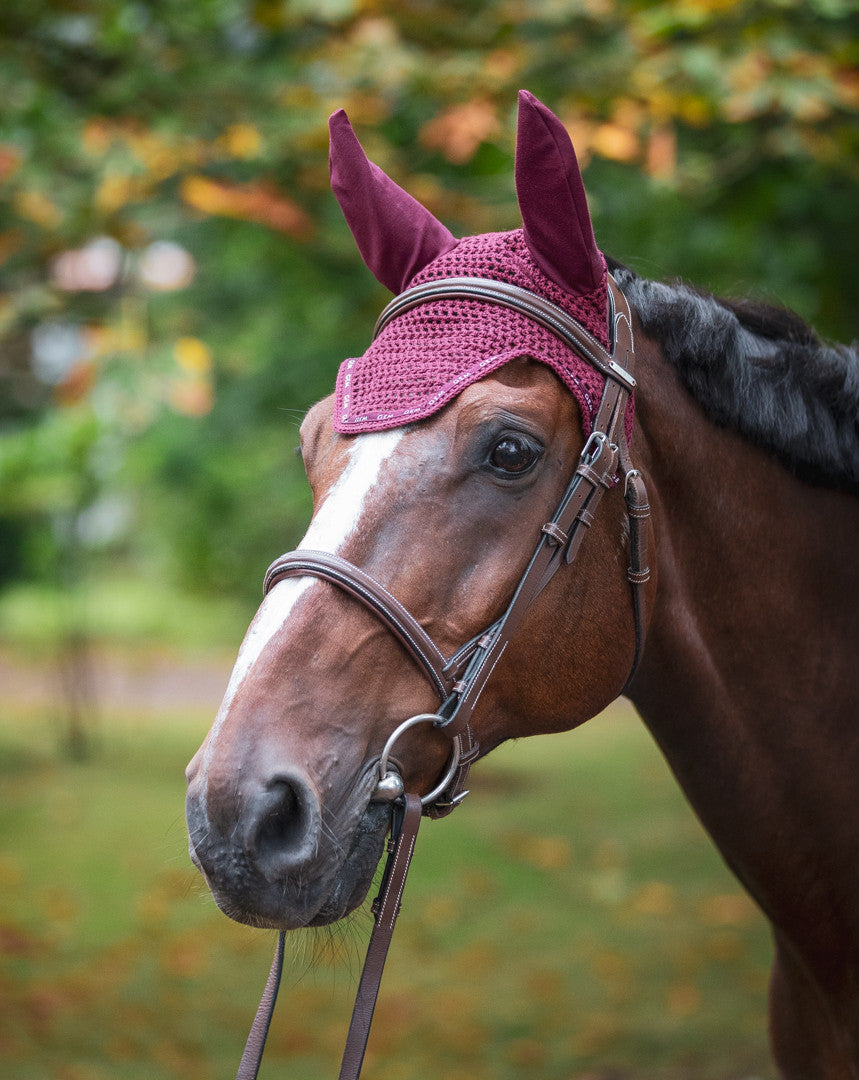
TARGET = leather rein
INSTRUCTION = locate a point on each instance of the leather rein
(459, 679)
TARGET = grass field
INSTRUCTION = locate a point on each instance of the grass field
(569, 922)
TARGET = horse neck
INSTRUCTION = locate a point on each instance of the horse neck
(747, 680)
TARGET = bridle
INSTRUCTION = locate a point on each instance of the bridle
(460, 679)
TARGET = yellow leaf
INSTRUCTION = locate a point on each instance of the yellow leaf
(662, 153)
(847, 88)
(38, 208)
(10, 159)
(10, 242)
(458, 132)
(257, 202)
(97, 135)
(193, 355)
(242, 141)
(115, 191)
(616, 142)
(160, 158)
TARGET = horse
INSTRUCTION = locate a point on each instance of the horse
(716, 584)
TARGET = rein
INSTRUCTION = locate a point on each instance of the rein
(459, 680)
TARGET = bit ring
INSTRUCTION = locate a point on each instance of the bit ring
(387, 789)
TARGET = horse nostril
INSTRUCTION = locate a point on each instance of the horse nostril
(281, 824)
(284, 822)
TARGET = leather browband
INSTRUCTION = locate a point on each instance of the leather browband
(537, 308)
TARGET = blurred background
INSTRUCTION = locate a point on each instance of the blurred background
(177, 286)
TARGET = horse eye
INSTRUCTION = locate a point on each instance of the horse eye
(514, 454)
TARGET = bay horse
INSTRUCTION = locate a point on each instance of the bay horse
(440, 466)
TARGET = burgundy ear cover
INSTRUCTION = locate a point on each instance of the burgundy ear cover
(428, 354)
(552, 200)
(397, 237)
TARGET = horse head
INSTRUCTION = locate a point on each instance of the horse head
(445, 449)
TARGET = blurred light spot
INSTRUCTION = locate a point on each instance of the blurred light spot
(259, 202)
(440, 910)
(478, 884)
(191, 397)
(184, 958)
(11, 874)
(74, 29)
(115, 191)
(545, 985)
(243, 36)
(165, 267)
(92, 268)
(106, 521)
(612, 968)
(55, 349)
(661, 159)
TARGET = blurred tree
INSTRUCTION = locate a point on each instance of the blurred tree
(177, 281)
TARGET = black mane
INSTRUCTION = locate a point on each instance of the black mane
(762, 371)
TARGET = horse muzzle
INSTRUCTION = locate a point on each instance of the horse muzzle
(274, 855)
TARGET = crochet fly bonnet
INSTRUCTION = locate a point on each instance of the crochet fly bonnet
(426, 355)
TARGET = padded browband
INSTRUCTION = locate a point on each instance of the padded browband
(542, 311)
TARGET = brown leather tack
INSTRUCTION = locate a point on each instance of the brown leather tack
(460, 679)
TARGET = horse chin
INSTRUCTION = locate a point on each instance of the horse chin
(334, 891)
(356, 875)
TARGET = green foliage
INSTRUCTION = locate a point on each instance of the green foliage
(569, 921)
(719, 140)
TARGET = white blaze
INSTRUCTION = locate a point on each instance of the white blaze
(335, 521)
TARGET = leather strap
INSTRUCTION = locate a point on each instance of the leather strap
(251, 1058)
(537, 308)
(402, 624)
(638, 573)
(604, 455)
(386, 908)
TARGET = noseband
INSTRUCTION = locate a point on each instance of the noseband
(459, 680)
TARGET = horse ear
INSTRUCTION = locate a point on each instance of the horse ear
(552, 200)
(397, 237)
